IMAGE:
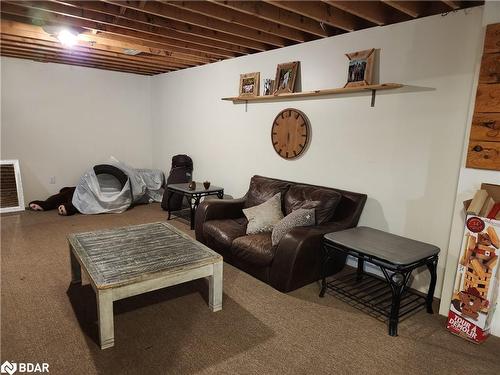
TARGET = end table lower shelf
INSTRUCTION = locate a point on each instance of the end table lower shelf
(373, 295)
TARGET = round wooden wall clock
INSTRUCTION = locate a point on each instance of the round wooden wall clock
(290, 133)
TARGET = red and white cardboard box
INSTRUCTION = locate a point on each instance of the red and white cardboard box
(476, 286)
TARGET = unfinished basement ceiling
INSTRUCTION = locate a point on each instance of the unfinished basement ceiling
(153, 37)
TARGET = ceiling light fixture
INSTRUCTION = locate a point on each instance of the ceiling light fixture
(68, 38)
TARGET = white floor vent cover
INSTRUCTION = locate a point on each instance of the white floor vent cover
(11, 189)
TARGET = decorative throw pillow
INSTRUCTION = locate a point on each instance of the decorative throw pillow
(323, 200)
(262, 218)
(298, 218)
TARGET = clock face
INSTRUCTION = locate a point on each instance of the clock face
(290, 133)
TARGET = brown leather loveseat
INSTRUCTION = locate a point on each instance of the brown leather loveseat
(296, 260)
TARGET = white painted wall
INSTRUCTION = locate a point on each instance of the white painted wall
(469, 182)
(59, 120)
(404, 153)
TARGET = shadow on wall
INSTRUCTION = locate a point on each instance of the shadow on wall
(374, 213)
(32, 183)
(429, 216)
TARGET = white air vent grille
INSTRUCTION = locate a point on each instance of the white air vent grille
(11, 190)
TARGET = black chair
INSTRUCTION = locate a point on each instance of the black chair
(181, 172)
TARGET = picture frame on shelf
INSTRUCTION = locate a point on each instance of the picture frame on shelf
(268, 86)
(360, 68)
(249, 84)
(286, 75)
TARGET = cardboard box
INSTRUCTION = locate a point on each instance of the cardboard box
(476, 286)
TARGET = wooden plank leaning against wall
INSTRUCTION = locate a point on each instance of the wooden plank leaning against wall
(484, 140)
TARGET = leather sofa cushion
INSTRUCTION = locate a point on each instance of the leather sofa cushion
(225, 231)
(254, 248)
(324, 201)
(262, 189)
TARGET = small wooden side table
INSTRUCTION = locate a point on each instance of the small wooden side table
(193, 196)
(396, 256)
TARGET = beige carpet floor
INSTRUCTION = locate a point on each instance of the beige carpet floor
(172, 331)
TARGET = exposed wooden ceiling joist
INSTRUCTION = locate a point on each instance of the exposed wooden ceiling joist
(143, 22)
(271, 13)
(322, 12)
(36, 44)
(163, 47)
(152, 37)
(452, 4)
(372, 11)
(235, 17)
(89, 43)
(217, 29)
(411, 8)
(33, 46)
(59, 13)
(50, 57)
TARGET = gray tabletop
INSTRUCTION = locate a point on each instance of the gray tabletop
(183, 188)
(120, 256)
(382, 245)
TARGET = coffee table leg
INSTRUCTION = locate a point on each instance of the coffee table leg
(432, 266)
(215, 288)
(105, 313)
(76, 269)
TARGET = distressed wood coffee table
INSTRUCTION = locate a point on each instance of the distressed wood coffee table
(127, 261)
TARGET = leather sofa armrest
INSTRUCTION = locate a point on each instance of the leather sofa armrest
(298, 257)
(217, 209)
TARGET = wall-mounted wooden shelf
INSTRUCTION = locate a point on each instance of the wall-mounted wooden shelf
(308, 94)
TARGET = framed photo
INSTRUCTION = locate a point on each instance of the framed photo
(268, 86)
(285, 77)
(249, 84)
(360, 70)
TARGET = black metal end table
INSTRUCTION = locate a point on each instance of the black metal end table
(193, 196)
(396, 256)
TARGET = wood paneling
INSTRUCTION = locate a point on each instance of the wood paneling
(490, 68)
(488, 98)
(485, 127)
(484, 155)
(492, 39)
(484, 140)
